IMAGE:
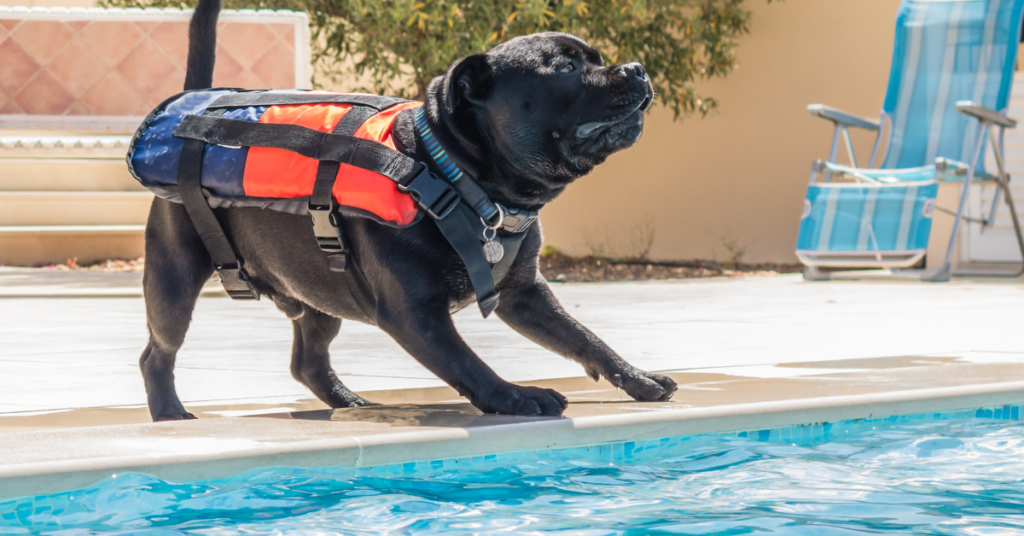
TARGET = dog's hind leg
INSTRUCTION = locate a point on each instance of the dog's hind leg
(177, 267)
(311, 360)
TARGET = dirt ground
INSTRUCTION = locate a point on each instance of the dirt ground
(134, 265)
(558, 267)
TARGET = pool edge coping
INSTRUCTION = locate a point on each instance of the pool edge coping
(53, 476)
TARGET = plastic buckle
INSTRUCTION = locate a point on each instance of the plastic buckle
(236, 281)
(325, 228)
(328, 234)
(518, 220)
(432, 194)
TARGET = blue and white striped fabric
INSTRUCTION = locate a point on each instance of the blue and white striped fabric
(947, 51)
(890, 218)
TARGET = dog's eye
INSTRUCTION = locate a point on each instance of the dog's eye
(567, 68)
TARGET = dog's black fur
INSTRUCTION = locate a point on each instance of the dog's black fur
(525, 119)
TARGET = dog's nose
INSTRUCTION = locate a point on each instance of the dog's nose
(641, 74)
(632, 70)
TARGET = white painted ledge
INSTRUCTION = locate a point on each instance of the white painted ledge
(53, 461)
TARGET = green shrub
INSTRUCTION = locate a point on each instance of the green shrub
(400, 45)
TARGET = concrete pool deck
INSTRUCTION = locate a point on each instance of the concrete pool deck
(430, 424)
(73, 349)
(749, 353)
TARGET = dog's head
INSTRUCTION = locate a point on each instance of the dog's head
(545, 108)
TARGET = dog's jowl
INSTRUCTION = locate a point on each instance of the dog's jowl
(458, 179)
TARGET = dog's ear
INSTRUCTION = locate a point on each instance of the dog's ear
(468, 80)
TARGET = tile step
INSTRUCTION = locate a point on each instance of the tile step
(38, 245)
(71, 230)
(74, 208)
(67, 174)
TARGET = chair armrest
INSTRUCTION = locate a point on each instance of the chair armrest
(949, 170)
(985, 115)
(841, 117)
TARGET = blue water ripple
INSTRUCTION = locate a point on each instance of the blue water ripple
(932, 474)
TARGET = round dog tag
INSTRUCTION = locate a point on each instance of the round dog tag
(493, 251)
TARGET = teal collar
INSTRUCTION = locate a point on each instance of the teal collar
(441, 157)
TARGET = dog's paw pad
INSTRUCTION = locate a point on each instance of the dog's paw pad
(645, 386)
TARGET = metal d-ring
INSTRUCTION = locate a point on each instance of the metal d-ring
(496, 226)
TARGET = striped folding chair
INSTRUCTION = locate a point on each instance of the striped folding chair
(949, 85)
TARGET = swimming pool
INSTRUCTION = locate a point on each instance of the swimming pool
(949, 473)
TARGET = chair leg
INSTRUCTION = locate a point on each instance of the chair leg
(1005, 185)
(812, 273)
(943, 273)
(1016, 228)
(938, 276)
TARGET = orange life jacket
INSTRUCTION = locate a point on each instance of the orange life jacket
(265, 176)
(280, 173)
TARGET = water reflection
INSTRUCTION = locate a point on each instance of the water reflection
(937, 477)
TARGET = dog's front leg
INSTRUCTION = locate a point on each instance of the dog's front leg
(533, 310)
(427, 332)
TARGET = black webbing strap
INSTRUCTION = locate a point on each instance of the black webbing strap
(232, 273)
(471, 193)
(443, 165)
(259, 98)
(375, 157)
(326, 227)
(322, 205)
(511, 244)
(475, 196)
(433, 195)
(353, 119)
(458, 229)
(516, 220)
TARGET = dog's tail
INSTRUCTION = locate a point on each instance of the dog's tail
(202, 45)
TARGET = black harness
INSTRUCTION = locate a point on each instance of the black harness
(466, 216)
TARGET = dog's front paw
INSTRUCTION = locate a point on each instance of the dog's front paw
(644, 386)
(352, 401)
(513, 399)
(176, 416)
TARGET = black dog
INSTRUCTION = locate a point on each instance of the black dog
(525, 119)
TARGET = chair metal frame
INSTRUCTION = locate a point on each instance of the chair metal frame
(987, 124)
(987, 121)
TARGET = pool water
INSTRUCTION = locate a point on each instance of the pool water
(914, 475)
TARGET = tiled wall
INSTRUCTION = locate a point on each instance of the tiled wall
(94, 64)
